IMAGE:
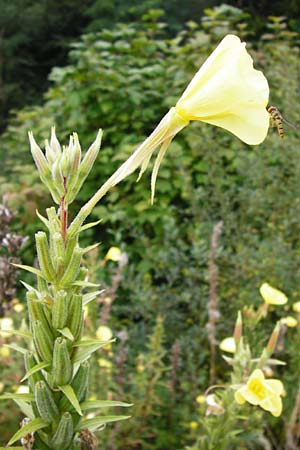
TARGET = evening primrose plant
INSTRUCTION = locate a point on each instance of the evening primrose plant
(227, 92)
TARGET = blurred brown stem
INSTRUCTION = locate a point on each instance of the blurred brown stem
(212, 306)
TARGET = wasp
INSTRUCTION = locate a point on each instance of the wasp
(276, 120)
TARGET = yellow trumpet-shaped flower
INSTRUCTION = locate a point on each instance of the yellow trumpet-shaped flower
(226, 91)
(272, 296)
(262, 392)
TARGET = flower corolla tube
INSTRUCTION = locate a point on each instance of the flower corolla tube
(262, 392)
(226, 91)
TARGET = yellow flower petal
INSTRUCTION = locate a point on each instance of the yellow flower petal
(113, 254)
(296, 307)
(271, 295)
(289, 321)
(228, 92)
(104, 333)
(238, 395)
(275, 385)
(228, 345)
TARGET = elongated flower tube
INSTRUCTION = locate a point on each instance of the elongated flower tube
(226, 91)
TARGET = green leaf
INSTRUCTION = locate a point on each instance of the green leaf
(28, 287)
(25, 408)
(43, 219)
(25, 334)
(85, 284)
(71, 396)
(88, 347)
(66, 333)
(16, 347)
(16, 448)
(96, 422)
(31, 427)
(29, 269)
(87, 298)
(89, 248)
(14, 396)
(95, 404)
(34, 369)
(89, 225)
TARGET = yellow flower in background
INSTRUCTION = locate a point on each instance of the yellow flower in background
(6, 324)
(104, 333)
(201, 399)
(1, 387)
(104, 363)
(113, 254)
(228, 345)
(289, 321)
(261, 392)
(19, 307)
(22, 389)
(193, 425)
(272, 296)
(4, 352)
(296, 307)
(226, 91)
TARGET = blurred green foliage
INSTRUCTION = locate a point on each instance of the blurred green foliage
(124, 80)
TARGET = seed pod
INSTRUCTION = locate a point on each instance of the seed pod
(79, 385)
(64, 433)
(43, 341)
(73, 268)
(62, 369)
(57, 176)
(76, 321)
(37, 312)
(44, 258)
(45, 402)
(58, 245)
(60, 310)
(70, 246)
(42, 285)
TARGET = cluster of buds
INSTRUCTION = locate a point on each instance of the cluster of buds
(57, 362)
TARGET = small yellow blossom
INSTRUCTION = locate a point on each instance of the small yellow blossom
(4, 352)
(1, 387)
(296, 307)
(289, 321)
(272, 296)
(104, 333)
(261, 392)
(200, 399)
(113, 254)
(228, 345)
(104, 363)
(226, 91)
(140, 368)
(6, 324)
(193, 425)
(18, 308)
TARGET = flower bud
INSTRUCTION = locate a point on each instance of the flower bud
(64, 432)
(44, 258)
(62, 368)
(45, 402)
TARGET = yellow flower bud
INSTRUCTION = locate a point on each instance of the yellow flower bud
(272, 296)
(228, 345)
(113, 254)
(193, 425)
(289, 321)
(104, 333)
(296, 307)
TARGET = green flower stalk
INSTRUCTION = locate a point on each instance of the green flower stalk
(57, 359)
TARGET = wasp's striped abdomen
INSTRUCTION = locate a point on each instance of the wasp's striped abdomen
(276, 120)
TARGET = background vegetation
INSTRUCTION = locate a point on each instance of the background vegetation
(123, 77)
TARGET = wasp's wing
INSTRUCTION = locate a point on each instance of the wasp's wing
(289, 124)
